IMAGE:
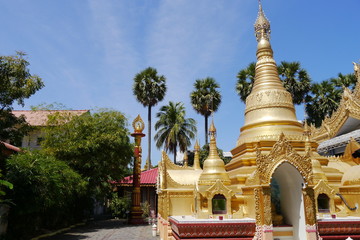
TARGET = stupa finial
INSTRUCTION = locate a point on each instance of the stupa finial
(212, 130)
(214, 167)
(197, 155)
(262, 25)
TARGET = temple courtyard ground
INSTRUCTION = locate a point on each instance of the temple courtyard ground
(106, 230)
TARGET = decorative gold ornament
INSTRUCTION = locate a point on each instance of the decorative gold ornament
(138, 124)
(309, 201)
(281, 152)
(262, 26)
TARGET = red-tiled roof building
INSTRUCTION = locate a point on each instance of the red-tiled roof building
(38, 119)
(147, 187)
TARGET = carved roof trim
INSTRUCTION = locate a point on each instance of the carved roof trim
(281, 152)
(172, 166)
(349, 107)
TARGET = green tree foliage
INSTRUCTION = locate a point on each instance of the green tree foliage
(149, 89)
(347, 80)
(16, 85)
(120, 206)
(95, 145)
(50, 106)
(46, 193)
(322, 101)
(245, 82)
(324, 97)
(295, 79)
(206, 99)
(4, 185)
(174, 129)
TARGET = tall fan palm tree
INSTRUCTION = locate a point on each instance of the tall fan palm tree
(347, 80)
(246, 78)
(206, 99)
(174, 130)
(149, 89)
(323, 101)
(295, 79)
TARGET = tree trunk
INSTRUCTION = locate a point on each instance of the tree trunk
(149, 139)
(175, 154)
(206, 129)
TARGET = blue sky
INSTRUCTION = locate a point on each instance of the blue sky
(87, 52)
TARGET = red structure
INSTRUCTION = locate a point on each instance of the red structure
(211, 229)
(147, 187)
(338, 229)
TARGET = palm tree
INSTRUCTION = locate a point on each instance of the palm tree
(295, 79)
(205, 99)
(246, 78)
(347, 80)
(149, 89)
(322, 101)
(174, 130)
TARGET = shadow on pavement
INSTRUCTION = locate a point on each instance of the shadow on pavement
(98, 229)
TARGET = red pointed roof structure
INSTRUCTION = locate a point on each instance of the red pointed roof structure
(146, 178)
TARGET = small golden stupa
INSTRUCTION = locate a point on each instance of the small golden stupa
(276, 186)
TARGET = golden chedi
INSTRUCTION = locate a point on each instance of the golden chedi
(276, 186)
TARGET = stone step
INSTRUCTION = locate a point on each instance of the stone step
(283, 233)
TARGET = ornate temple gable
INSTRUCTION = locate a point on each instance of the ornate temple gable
(170, 165)
(349, 107)
(219, 188)
(323, 187)
(165, 179)
(281, 152)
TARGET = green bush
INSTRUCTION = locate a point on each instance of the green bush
(120, 207)
(145, 207)
(47, 194)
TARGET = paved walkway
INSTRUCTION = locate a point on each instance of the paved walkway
(106, 230)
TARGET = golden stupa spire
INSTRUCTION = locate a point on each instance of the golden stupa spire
(197, 156)
(214, 167)
(269, 107)
(262, 25)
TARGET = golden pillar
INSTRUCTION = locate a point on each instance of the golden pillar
(264, 228)
(136, 212)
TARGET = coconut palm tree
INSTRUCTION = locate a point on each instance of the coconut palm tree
(173, 128)
(295, 79)
(322, 101)
(206, 99)
(246, 78)
(149, 89)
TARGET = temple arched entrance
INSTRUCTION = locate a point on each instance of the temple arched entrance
(287, 199)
